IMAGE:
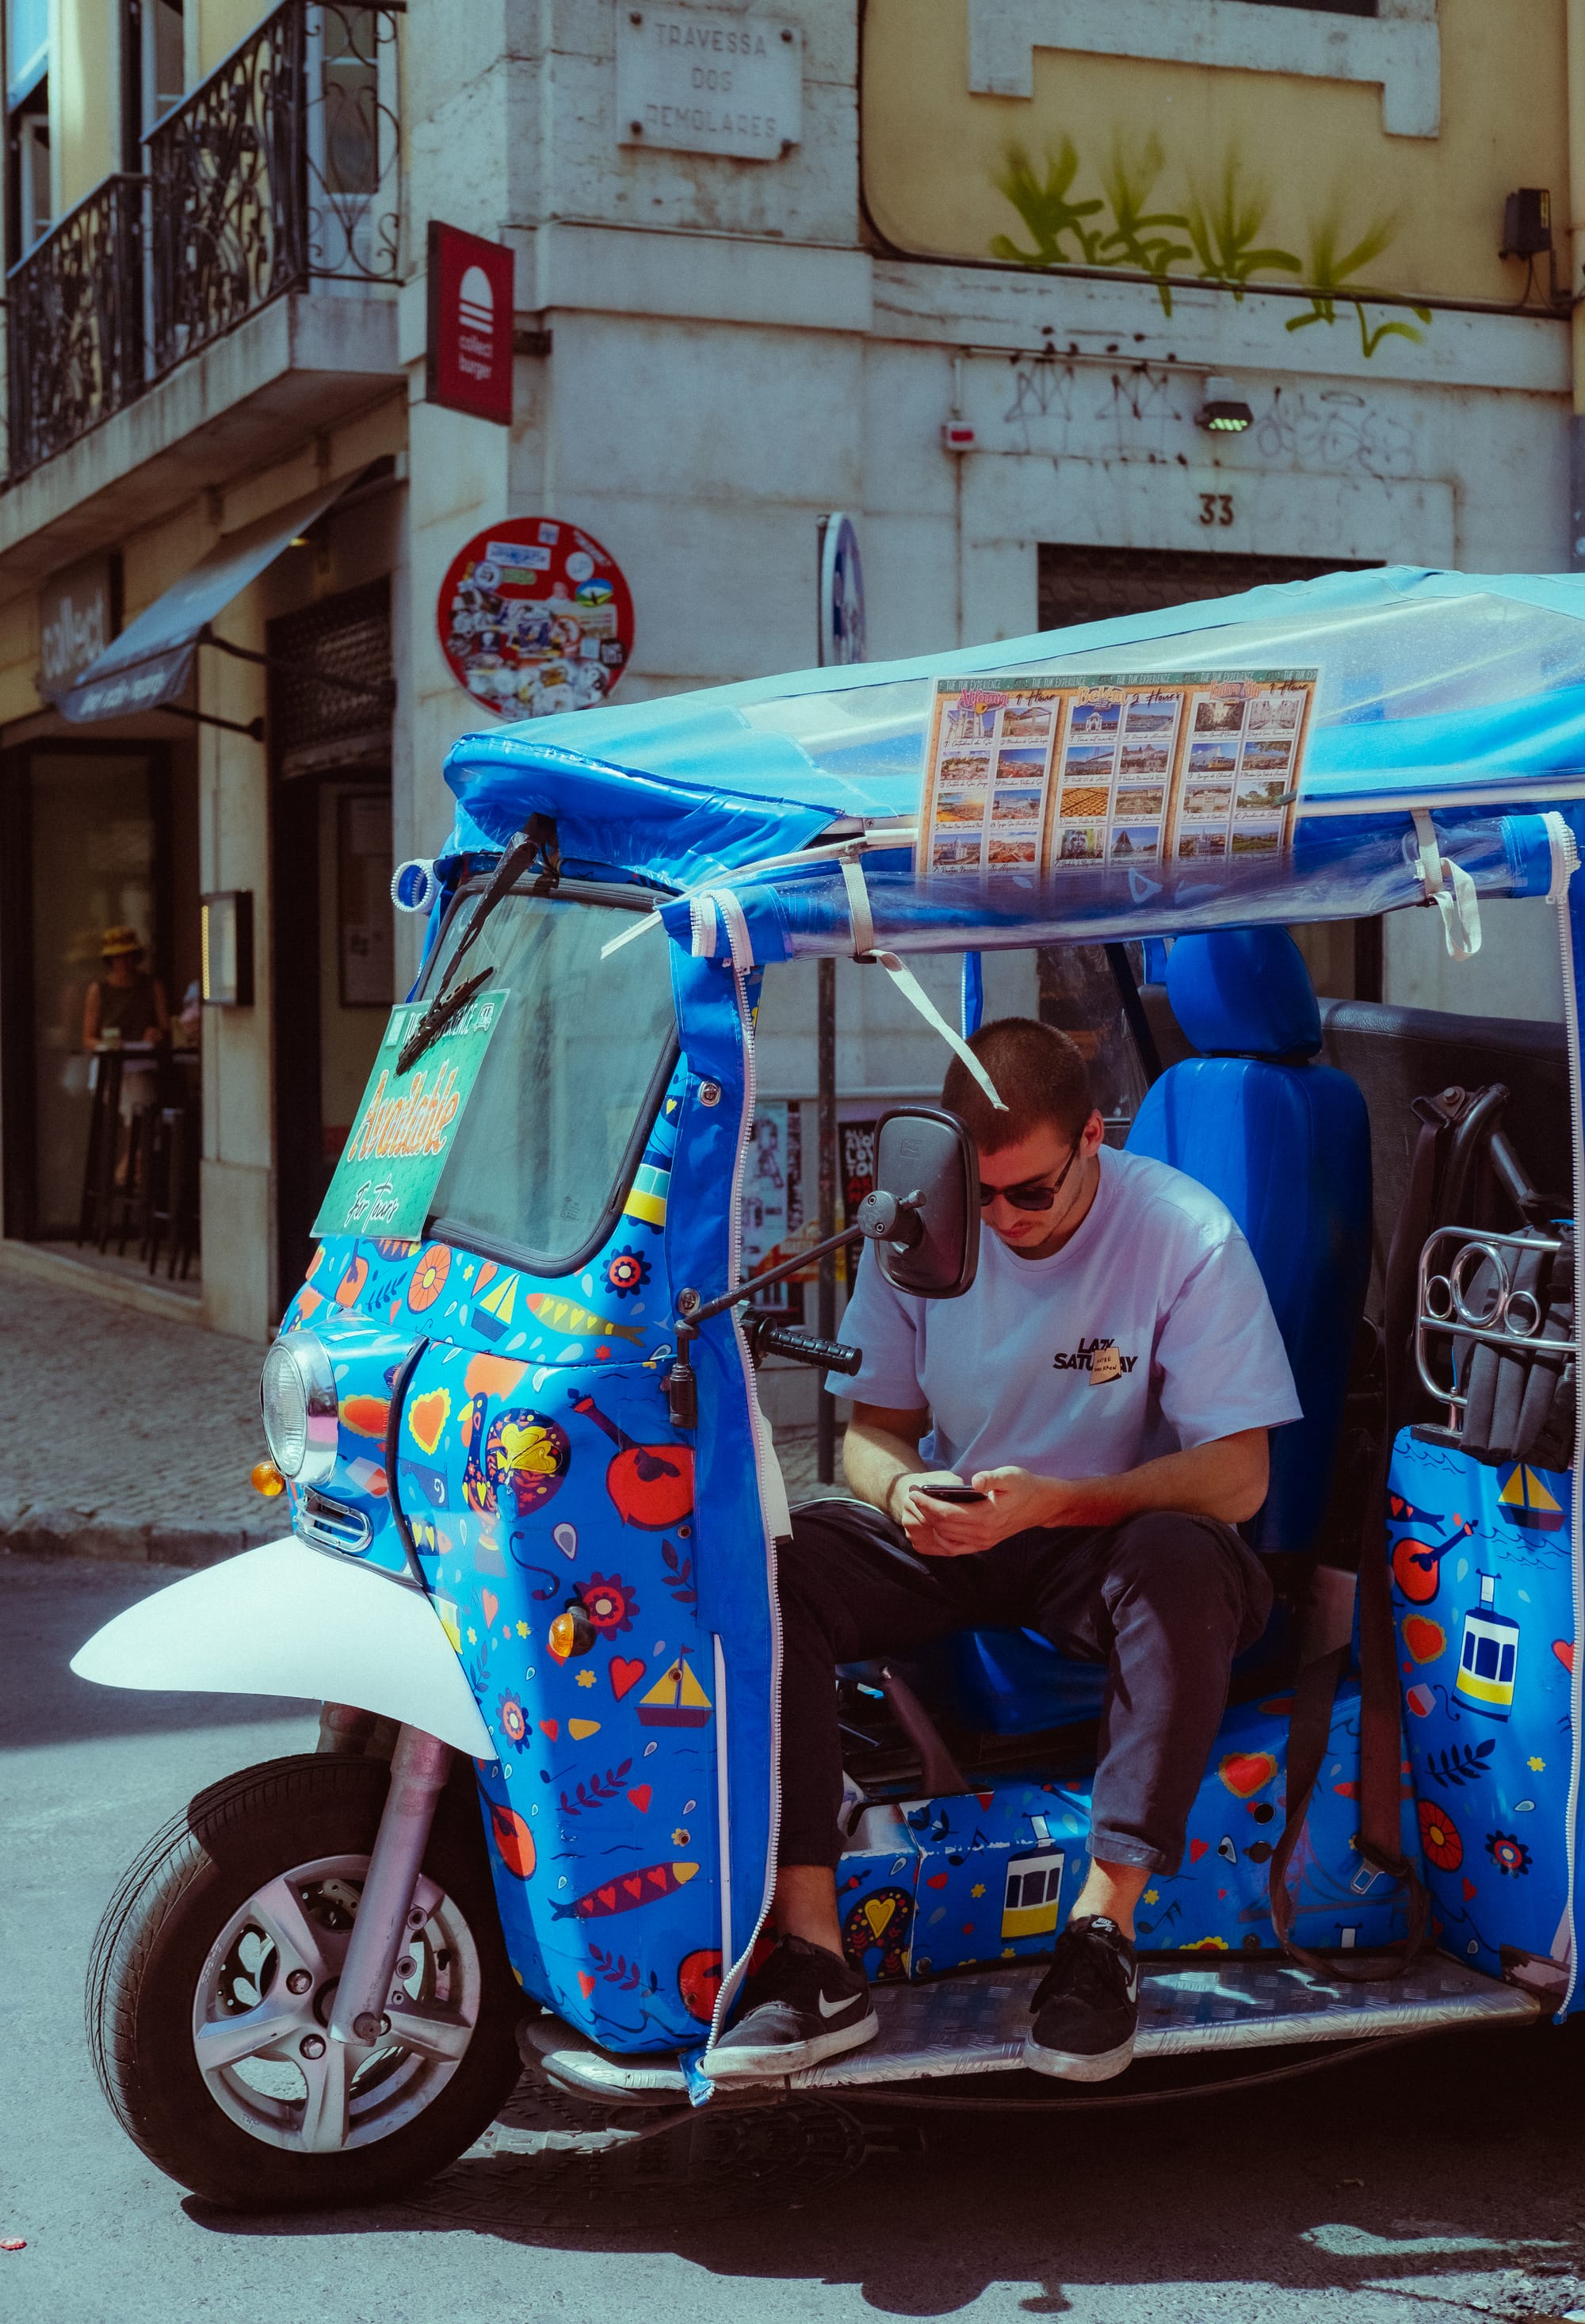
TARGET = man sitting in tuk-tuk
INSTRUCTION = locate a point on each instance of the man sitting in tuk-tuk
(1103, 1392)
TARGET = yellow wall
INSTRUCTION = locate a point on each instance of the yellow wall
(221, 25)
(85, 81)
(931, 150)
(85, 104)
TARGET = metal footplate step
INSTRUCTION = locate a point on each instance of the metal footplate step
(975, 2025)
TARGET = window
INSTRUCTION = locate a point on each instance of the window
(1399, 51)
(154, 69)
(569, 1085)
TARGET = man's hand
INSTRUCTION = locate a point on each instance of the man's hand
(1015, 1501)
(920, 1515)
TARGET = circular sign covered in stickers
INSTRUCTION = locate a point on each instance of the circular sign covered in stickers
(536, 617)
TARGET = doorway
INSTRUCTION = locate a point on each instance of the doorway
(93, 837)
(334, 949)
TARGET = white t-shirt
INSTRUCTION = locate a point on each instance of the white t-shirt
(1150, 1331)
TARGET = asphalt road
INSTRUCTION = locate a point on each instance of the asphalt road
(1436, 2183)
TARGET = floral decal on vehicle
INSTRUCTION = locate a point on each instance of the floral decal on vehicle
(626, 1272)
(609, 1605)
(428, 1278)
(1508, 1853)
(1439, 1837)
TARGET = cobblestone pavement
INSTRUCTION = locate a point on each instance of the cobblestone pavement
(795, 1448)
(125, 1435)
(121, 1434)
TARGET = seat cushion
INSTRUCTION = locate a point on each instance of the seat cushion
(1244, 991)
(1288, 1150)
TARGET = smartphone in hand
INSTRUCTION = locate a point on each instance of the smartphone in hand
(953, 1493)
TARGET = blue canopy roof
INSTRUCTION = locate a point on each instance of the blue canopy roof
(1463, 691)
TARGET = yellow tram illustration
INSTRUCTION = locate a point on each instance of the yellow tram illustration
(1488, 1656)
(1033, 1894)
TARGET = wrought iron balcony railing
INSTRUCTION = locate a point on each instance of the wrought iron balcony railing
(281, 171)
(75, 318)
(282, 167)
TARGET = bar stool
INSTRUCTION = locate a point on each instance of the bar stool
(170, 1203)
(104, 1145)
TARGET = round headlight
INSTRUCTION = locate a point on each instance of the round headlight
(296, 1397)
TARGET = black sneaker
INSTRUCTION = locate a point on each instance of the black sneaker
(803, 2004)
(1087, 2005)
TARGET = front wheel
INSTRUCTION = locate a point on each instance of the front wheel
(214, 1974)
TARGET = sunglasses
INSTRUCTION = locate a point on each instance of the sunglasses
(1034, 1194)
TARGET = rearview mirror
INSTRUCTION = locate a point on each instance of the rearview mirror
(924, 1216)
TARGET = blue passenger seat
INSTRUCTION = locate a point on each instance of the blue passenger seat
(1285, 1145)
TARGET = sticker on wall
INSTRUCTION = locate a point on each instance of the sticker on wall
(535, 617)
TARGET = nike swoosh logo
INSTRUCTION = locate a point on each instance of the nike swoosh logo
(1133, 1986)
(835, 2008)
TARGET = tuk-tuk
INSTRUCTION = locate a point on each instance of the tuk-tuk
(533, 1503)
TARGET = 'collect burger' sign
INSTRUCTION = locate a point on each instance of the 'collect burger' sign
(470, 287)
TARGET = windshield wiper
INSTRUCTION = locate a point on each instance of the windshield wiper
(536, 841)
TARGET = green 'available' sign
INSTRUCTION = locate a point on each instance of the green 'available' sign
(385, 1181)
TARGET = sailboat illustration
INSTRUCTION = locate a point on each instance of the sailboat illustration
(676, 1700)
(492, 1313)
(1525, 1501)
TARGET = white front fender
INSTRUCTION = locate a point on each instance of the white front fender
(289, 1620)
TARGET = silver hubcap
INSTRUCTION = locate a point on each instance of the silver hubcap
(261, 2012)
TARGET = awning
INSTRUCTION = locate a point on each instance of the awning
(147, 665)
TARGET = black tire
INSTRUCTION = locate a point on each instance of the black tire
(170, 1910)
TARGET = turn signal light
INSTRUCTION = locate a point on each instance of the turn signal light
(265, 1478)
(572, 1632)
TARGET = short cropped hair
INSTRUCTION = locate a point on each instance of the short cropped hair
(1040, 1076)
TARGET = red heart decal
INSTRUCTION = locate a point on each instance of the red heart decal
(640, 1796)
(492, 1605)
(1563, 1648)
(937, 1880)
(1424, 1638)
(1468, 1890)
(1197, 1849)
(551, 1727)
(1220, 1895)
(586, 1983)
(1245, 1772)
(427, 1416)
(625, 1675)
(634, 1883)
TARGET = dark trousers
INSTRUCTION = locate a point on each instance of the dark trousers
(1164, 1600)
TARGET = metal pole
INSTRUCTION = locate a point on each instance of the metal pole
(825, 1041)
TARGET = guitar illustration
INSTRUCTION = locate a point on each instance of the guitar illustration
(1416, 1565)
(652, 1485)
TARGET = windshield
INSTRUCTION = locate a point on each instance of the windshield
(552, 1131)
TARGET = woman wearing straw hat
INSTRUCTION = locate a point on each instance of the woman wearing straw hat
(125, 1002)
(125, 1008)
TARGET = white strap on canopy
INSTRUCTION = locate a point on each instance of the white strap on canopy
(1450, 888)
(862, 922)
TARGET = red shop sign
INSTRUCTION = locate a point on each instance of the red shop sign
(535, 617)
(470, 287)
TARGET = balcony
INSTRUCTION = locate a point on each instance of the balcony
(279, 174)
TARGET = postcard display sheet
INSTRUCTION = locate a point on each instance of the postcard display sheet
(1024, 774)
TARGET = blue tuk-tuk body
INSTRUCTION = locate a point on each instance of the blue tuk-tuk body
(630, 1805)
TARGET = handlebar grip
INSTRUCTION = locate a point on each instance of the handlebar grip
(831, 1355)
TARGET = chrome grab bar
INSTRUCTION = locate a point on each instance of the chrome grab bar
(1507, 1318)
